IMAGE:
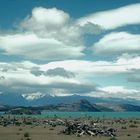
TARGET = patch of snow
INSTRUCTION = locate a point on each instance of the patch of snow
(33, 96)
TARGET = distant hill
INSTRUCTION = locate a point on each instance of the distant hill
(13, 99)
(117, 107)
(23, 111)
(85, 105)
(82, 105)
(4, 107)
(78, 106)
(67, 103)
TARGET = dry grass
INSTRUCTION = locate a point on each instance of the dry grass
(47, 133)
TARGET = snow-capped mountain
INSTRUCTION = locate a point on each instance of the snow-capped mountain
(39, 99)
(33, 96)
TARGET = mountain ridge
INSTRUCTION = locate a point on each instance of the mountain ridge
(18, 100)
(79, 106)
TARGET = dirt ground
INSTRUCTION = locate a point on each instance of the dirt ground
(125, 131)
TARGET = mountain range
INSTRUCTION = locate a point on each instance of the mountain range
(80, 106)
(41, 100)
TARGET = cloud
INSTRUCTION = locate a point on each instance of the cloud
(36, 71)
(90, 28)
(53, 72)
(50, 19)
(60, 92)
(135, 76)
(28, 77)
(74, 88)
(51, 34)
(117, 89)
(38, 95)
(120, 65)
(33, 96)
(47, 34)
(60, 72)
(2, 77)
(34, 47)
(69, 71)
(117, 43)
(116, 92)
(112, 19)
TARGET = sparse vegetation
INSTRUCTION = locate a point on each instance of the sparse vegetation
(17, 123)
(51, 128)
(133, 126)
(28, 139)
(114, 138)
(43, 128)
(26, 134)
(124, 127)
(20, 129)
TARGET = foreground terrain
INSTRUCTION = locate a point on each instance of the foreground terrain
(12, 128)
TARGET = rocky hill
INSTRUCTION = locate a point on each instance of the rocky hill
(78, 106)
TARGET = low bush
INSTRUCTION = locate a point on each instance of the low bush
(132, 125)
(114, 138)
(26, 134)
(124, 127)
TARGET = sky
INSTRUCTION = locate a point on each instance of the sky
(64, 48)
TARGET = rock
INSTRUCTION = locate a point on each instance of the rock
(80, 129)
(91, 133)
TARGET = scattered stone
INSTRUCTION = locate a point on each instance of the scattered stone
(80, 129)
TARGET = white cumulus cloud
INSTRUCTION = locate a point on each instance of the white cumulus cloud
(32, 46)
(47, 19)
(117, 43)
(116, 92)
(112, 19)
(120, 65)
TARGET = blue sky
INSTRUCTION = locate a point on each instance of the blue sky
(20, 9)
(70, 47)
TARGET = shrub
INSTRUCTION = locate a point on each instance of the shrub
(28, 123)
(20, 129)
(113, 138)
(26, 134)
(28, 139)
(132, 125)
(17, 123)
(124, 127)
(51, 128)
